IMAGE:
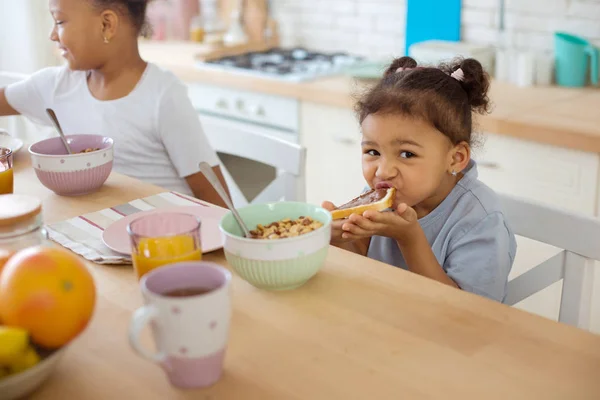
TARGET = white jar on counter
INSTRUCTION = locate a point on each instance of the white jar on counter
(21, 224)
(525, 74)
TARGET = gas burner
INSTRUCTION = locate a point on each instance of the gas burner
(295, 64)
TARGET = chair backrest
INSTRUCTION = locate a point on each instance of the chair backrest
(251, 143)
(577, 235)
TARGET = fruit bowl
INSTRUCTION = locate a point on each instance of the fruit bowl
(24, 383)
(34, 334)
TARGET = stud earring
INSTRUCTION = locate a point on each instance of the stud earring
(106, 41)
(454, 173)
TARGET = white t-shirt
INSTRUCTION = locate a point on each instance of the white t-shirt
(157, 133)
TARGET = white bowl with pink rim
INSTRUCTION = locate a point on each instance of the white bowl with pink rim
(73, 174)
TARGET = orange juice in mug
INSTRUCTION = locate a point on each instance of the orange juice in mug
(6, 171)
(164, 238)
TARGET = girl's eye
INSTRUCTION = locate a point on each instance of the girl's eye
(58, 22)
(373, 153)
(407, 154)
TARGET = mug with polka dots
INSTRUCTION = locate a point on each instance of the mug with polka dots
(188, 308)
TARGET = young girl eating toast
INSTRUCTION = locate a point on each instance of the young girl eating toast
(108, 89)
(445, 224)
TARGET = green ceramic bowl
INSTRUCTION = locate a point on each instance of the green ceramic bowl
(278, 264)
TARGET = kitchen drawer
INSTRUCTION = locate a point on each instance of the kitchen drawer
(562, 177)
(274, 111)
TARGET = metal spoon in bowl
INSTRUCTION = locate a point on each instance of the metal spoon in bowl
(206, 169)
(52, 115)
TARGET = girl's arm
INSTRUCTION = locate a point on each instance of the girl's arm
(420, 259)
(202, 188)
(5, 108)
(186, 143)
(359, 246)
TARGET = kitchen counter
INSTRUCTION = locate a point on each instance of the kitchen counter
(564, 117)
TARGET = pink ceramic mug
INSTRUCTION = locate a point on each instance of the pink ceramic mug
(188, 306)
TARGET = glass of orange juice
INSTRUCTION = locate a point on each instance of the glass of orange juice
(6, 171)
(163, 238)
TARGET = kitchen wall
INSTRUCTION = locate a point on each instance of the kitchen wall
(375, 28)
(24, 28)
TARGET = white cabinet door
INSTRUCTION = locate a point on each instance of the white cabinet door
(331, 136)
(560, 177)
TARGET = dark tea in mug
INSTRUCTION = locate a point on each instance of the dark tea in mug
(187, 292)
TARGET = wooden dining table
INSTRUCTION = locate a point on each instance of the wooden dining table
(359, 329)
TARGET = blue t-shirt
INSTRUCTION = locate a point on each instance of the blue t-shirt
(469, 236)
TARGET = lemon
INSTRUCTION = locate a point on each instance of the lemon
(28, 360)
(13, 343)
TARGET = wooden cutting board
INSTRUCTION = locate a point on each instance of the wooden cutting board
(254, 17)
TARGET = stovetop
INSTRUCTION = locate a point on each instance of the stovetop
(294, 64)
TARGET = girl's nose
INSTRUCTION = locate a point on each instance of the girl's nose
(386, 170)
(53, 34)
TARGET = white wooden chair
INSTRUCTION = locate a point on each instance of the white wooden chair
(250, 143)
(577, 235)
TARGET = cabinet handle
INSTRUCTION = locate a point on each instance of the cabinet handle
(241, 106)
(344, 140)
(222, 104)
(257, 111)
(488, 164)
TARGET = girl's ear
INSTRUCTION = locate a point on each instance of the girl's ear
(460, 155)
(110, 24)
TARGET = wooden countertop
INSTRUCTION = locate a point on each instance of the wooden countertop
(359, 329)
(558, 116)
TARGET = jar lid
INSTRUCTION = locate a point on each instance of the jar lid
(18, 208)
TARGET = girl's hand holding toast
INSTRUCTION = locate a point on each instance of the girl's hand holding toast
(359, 245)
(336, 226)
(398, 224)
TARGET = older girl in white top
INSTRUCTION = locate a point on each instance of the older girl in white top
(108, 89)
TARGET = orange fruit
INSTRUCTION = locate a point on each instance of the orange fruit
(48, 291)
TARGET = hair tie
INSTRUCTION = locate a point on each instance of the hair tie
(459, 75)
(401, 69)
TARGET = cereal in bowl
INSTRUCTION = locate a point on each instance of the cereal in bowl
(286, 228)
(89, 150)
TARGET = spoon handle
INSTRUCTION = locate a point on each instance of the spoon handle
(206, 169)
(54, 119)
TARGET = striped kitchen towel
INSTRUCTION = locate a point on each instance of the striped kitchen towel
(83, 234)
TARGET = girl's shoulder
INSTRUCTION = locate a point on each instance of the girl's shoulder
(61, 71)
(470, 203)
(57, 78)
(160, 80)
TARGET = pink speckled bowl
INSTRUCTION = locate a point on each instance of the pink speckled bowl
(73, 174)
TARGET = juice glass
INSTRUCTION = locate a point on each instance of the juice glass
(164, 238)
(6, 171)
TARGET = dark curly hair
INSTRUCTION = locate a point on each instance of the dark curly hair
(134, 9)
(432, 95)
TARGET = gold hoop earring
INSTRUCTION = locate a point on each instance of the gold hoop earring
(106, 41)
